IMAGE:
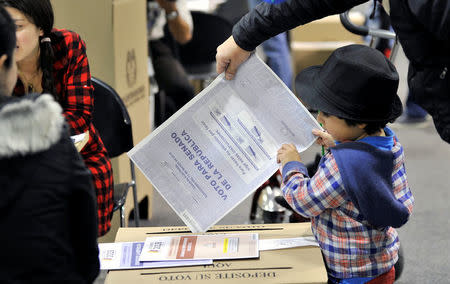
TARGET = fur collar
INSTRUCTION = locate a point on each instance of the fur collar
(29, 125)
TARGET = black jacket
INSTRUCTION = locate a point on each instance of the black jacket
(423, 28)
(47, 205)
(268, 20)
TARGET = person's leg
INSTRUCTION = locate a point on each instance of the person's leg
(413, 110)
(252, 3)
(171, 78)
(413, 115)
(279, 57)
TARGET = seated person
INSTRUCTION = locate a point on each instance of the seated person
(54, 61)
(169, 73)
(48, 209)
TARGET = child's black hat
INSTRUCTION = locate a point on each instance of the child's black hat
(356, 82)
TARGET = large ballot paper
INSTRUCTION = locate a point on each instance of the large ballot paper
(221, 146)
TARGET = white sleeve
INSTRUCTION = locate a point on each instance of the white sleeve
(184, 13)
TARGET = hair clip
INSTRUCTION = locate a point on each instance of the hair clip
(46, 39)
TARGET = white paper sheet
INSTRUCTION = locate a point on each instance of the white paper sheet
(222, 145)
(118, 256)
(206, 6)
(78, 138)
(211, 246)
(272, 244)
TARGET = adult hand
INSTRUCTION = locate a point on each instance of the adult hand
(229, 56)
(324, 138)
(287, 153)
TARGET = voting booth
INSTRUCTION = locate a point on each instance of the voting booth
(116, 40)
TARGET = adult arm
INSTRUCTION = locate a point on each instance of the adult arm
(181, 26)
(268, 20)
(78, 87)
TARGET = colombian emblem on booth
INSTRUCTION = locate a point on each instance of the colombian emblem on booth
(131, 68)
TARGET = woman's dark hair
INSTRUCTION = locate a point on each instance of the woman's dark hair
(40, 13)
(7, 36)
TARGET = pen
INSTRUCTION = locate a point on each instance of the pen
(323, 148)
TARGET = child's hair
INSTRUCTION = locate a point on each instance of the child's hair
(40, 13)
(7, 36)
(372, 127)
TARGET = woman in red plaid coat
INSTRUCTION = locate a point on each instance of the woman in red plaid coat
(54, 61)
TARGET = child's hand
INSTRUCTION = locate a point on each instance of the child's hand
(324, 138)
(287, 153)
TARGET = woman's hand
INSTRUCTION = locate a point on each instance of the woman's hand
(287, 153)
(324, 138)
(229, 56)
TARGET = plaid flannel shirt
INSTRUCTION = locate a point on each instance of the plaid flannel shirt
(351, 248)
(73, 84)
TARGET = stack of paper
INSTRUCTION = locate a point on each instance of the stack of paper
(221, 246)
(273, 244)
(170, 251)
(190, 250)
(117, 256)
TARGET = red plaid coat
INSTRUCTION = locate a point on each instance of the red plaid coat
(73, 85)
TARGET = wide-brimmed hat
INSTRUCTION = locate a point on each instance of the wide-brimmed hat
(356, 82)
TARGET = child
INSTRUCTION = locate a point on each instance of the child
(359, 193)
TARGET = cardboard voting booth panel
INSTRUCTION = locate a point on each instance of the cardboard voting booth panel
(311, 44)
(293, 265)
(307, 53)
(116, 39)
(327, 29)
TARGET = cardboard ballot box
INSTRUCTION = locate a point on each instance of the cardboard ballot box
(293, 265)
(116, 41)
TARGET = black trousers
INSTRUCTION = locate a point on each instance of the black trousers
(172, 81)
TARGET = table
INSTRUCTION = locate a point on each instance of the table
(294, 265)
